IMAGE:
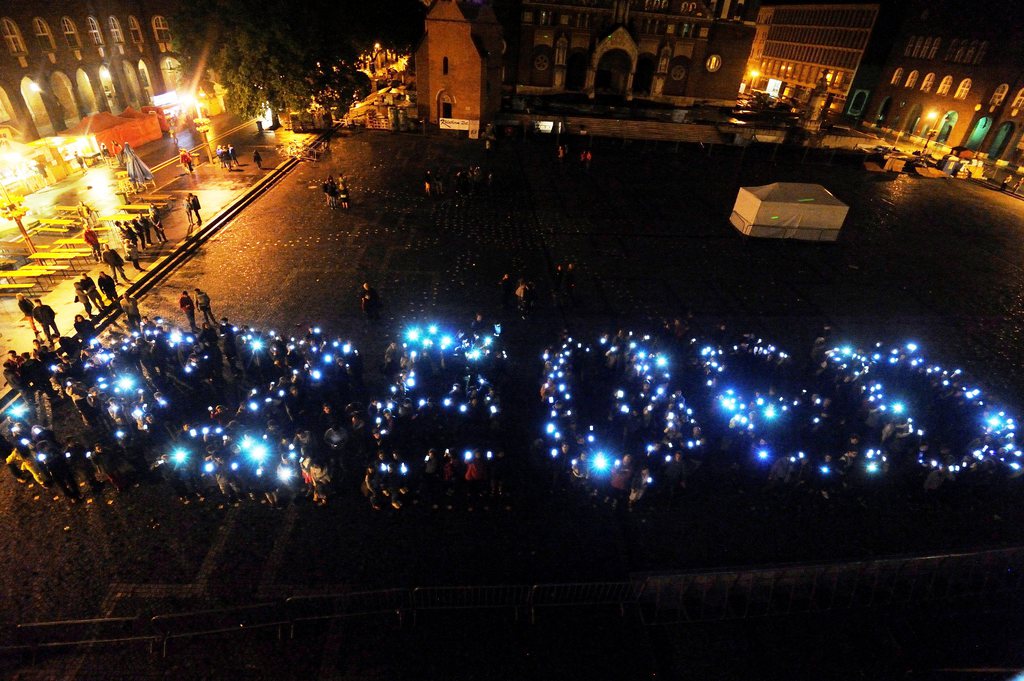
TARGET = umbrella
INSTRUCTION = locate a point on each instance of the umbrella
(138, 172)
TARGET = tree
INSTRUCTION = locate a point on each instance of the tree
(286, 54)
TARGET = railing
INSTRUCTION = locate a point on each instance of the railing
(658, 598)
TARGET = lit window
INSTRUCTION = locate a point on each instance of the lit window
(999, 96)
(161, 30)
(963, 89)
(116, 36)
(944, 86)
(70, 33)
(928, 83)
(897, 76)
(12, 36)
(135, 30)
(95, 33)
(912, 79)
(43, 35)
(713, 63)
(1018, 101)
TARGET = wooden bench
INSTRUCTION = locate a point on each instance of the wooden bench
(16, 287)
(154, 198)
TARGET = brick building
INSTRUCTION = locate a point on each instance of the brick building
(459, 62)
(63, 59)
(672, 51)
(796, 45)
(954, 82)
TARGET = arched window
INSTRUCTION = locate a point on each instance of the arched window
(944, 86)
(95, 33)
(918, 44)
(926, 48)
(897, 76)
(999, 96)
(1018, 101)
(982, 49)
(161, 30)
(70, 33)
(135, 30)
(912, 79)
(928, 82)
(972, 50)
(959, 57)
(910, 46)
(116, 36)
(963, 89)
(43, 35)
(444, 66)
(953, 47)
(936, 42)
(12, 36)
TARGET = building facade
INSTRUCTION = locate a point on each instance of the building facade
(61, 60)
(795, 46)
(459, 63)
(672, 51)
(956, 83)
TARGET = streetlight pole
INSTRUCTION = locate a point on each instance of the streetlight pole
(15, 210)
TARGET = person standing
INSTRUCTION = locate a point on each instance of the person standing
(140, 233)
(508, 290)
(188, 213)
(232, 157)
(193, 201)
(26, 307)
(257, 159)
(369, 301)
(131, 312)
(158, 229)
(45, 315)
(92, 239)
(108, 286)
(187, 306)
(89, 288)
(115, 262)
(203, 303)
(185, 159)
(82, 297)
(131, 251)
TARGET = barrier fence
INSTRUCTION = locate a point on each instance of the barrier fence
(657, 598)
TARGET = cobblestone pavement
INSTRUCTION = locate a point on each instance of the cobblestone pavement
(938, 261)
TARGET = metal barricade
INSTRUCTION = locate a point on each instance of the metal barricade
(222, 621)
(584, 594)
(471, 598)
(335, 606)
(35, 636)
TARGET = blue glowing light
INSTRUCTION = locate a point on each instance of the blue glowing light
(601, 462)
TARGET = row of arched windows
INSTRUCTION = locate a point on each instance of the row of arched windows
(945, 85)
(72, 38)
(922, 47)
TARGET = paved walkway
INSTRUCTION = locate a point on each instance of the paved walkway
(214, 186)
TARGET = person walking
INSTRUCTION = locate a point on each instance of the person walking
(203, 303)
(187, 306)
(115, 262)
(186, 161)
(257, 159)
(89, 288)
(46, 317)
(232, 157)
(131, 312)
(369, 301)
(26, 307)
(131, 252)
(108, 287)
(92, 239)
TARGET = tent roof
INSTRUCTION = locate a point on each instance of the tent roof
(795, 192)
(95, 123)
(132, 113)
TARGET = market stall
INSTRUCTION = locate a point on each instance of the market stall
(789, 210)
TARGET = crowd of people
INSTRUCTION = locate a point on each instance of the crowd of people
(458, 181)
(238, 414)
(631, 414)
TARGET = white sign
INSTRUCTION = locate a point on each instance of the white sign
(455, 124)
(774, 86)
(474, 130)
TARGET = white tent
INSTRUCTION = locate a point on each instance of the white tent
(789, 210)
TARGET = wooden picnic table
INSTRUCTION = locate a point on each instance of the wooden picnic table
(57, 221)
(66, 209)
(52, 230)
(134, 208)
(154, 198)
(118, 217)
(68, 255)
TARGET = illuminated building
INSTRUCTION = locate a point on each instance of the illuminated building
(951, 82)
(61, 61)
(669, 51)
(795, 46)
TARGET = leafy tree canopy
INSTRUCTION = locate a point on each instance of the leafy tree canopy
(289, 53)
